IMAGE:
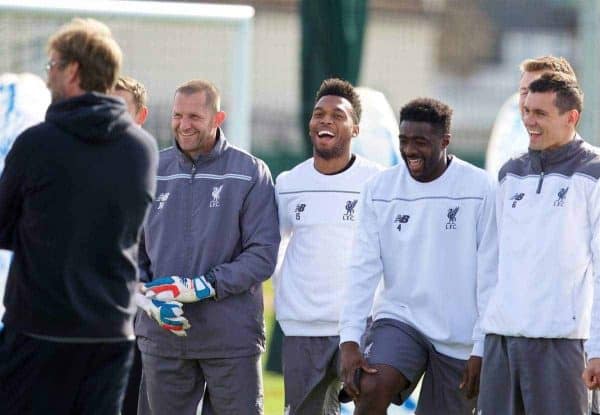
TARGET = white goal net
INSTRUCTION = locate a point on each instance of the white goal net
(164, 44)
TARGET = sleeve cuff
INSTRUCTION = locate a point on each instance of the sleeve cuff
(478, 348)
(350, 334)
(211, 278)
(592, 350)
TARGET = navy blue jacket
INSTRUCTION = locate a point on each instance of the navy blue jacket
(73, 196)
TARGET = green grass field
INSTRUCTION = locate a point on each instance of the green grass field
(273, 383)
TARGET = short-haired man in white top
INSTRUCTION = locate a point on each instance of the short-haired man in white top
(318, 214)
(509, 137)
(428, 226)
(538, 314)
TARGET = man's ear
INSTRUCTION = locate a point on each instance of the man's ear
(72, 71)
(355, 130)
(142, 114)
(573, 117)
(446, 138)
(219, 118)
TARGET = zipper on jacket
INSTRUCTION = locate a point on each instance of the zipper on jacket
(541, 181)
(193, 172)
(539, 188)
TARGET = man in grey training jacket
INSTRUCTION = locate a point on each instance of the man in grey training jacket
(210, 240)
(537, 312)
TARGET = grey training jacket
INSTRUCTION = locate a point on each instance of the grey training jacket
(217, 213)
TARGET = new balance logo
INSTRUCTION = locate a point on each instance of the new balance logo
(299, 209)
(367, 351)
(516, 197)
(562, 194)
(162, 199)
(350, 205)
(400, 219)
(452, 218)
(216, 197)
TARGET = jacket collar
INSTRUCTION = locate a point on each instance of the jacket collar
(544, 159)
(218, 149)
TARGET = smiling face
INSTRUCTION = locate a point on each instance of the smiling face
(195, 123)
(423, 148)
(547, 127)
(332, 127)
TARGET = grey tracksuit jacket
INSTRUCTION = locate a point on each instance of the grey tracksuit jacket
(548, 216)
(216, 213)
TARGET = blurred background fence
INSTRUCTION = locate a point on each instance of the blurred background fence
(464, 52)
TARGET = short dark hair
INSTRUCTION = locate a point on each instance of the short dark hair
(344, 89)
(428, 110)
(568, 93)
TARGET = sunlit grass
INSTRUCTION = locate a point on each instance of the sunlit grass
(273, 383)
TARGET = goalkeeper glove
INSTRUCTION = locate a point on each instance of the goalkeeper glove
(185, 290)
(168, 314)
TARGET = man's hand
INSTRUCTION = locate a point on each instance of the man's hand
(591, 374)
(351, 361)
(470, 380)
(185, 290)
(168, 314)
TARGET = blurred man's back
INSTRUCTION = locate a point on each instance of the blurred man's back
(73, 196)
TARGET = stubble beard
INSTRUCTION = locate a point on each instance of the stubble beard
(334, 152)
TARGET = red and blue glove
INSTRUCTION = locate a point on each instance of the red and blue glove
(185, 290)
(168, 314)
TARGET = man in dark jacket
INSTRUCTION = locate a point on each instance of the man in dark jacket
(73, 195)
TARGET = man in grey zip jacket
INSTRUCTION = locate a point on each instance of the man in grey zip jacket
(214, 221)
(537, 312)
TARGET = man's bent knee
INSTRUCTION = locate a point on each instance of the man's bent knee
(377, 390)
(373, 398)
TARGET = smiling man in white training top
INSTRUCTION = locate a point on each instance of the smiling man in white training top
(318, 214)
(428, 226)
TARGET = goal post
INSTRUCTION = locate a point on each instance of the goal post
(164, 44)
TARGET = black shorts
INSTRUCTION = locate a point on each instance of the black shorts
(46, 377)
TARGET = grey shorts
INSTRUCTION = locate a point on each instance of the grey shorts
(175, 386)
(396, 344)
(311, 375)
(532, 376)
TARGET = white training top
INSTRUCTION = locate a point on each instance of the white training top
(548, 215)
(317, 219)
(431, 241)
